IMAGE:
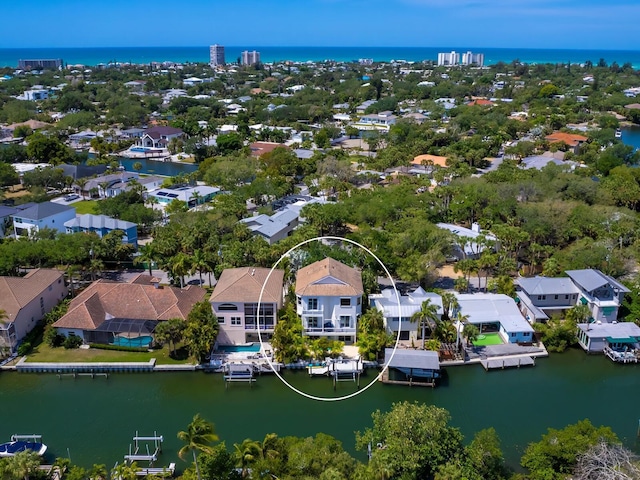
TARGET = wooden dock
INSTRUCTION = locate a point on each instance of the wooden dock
(384, 378)
(507, 362)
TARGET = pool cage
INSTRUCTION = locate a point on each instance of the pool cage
(130, 328)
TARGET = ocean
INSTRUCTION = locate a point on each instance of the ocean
(140, 55)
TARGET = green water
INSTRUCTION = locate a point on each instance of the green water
(96, 418)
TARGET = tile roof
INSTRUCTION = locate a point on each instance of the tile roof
(138, 300)
(328, 277)
(260, 148)
(570, 139)
(244, 284)
(17, 292)
(436, 159)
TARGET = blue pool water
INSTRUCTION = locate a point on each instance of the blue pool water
(142, 149)
(253, 347)
(143, 341)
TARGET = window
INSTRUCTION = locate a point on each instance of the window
(313, 322)
(566, 297)
(312, 304)
(220, 319)
(299, 300)
(555, 297)
(544, 297)
(267, 315)
(539, 297)
(41, 302)
(227, 307)
(50, 287)
(345, 302)
(236, 321)
(513, 335)
(358, 301)
(345, 321)
(404, 334)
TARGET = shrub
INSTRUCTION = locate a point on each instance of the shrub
(72, 341)
(121, 348)
(52, 338)
(24, 348)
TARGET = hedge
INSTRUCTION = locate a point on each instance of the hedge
(121, 348)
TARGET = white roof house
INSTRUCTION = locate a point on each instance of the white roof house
(496, 310)
(467, 246)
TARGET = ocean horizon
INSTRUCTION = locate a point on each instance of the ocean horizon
(91, 56)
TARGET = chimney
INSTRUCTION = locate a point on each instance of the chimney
(253, 272)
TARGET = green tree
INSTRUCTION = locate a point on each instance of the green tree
(413, 439)
(247, 453)
(198, 437)
(201, 331)
(170, 331)
(427, 316)
(23, 464)
(555, 456)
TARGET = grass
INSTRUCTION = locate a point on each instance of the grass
(85, 206)
(489, 339)
(45, 353)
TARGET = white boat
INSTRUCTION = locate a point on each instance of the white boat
(618, 133)
(21, 443)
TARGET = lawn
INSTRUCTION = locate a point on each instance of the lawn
(85, 206)
(486, 339)
(45, 353)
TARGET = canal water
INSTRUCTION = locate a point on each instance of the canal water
(154, 167)
(95, 419)
(631, 136)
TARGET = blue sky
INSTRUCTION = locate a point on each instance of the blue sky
(579, 24)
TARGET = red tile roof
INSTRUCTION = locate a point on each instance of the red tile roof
(570, 139)
(137, 300)
(329, 277)
(260, 148)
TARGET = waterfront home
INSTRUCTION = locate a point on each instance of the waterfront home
(29, 221)
(102, 225)
(495, 313)
(260, 148)
(601, 293)
(235, 303)
(329, 299)
(192, 196)
(399, 317)
(25, 300)
(112, 312)
(542, 297)
(417, 366)
(160, 136)
(597, 337)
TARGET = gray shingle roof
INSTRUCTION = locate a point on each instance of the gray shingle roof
(590, 279)
(43, 210)
(425, 359)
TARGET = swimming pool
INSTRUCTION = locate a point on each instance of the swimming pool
(143, 149)
(250, 347)
(143, 341)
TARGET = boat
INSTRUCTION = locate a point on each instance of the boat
(618, 133)
(21, 443)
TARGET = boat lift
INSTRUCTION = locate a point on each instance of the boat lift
(135, 453)
(26, 438)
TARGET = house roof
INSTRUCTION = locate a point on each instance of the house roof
(260, 148)
(245, 283)
(136, 300)
(493, 307)
(481, 102)
(98, 221)
(436, 159)
(43, 210)
(570, 139)
(405, 358)
(17, 292)
(160, 131)
(616, 330)
(269, 226)
(328, 277)
(409, 304)
(547, 285)
(590, 279)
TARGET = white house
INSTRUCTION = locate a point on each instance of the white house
(25, 300)
(601, 293)
(235, 303)
(159, 137)
(329, 299)
(470, 242)
(492, 312)
(619, 338)
(400, 317)
(29, 221)
(192, 196)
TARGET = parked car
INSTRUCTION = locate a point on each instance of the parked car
(71, 197)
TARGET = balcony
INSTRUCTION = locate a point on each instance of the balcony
(252, 326)
(314, 312)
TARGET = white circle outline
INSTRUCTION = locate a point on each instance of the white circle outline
(395, 347)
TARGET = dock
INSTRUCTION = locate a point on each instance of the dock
(89, 368)
(621, 356)
(420, 382)
(239, 372)
(495, 363)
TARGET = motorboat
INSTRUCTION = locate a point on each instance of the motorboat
(618, 133)
(21, 443)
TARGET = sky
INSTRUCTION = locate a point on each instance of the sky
(573, 24)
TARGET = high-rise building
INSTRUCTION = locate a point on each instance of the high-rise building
(43, 63)
(471, 58)
(250, 58)
(448, 59)
(216, 55)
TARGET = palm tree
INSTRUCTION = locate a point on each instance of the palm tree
(197, 437)
(180, 265)
(247, 453)
(23, 464)
(103, 186)
(449, 304)
(428, 314)
(199, 263)
(147, 255)
(81, 183)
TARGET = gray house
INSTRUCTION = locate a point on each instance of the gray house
(601, 293)
(542, 297)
